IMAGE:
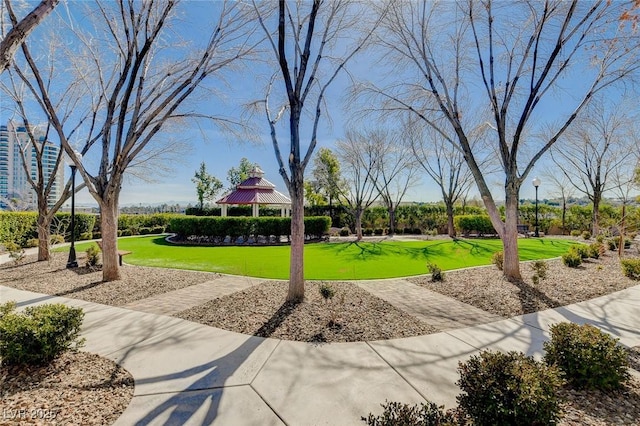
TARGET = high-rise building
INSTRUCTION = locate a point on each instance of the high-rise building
(13, 177)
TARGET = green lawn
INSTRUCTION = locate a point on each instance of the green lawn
(331, 261)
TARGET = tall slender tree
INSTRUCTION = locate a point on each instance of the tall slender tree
(312, 43)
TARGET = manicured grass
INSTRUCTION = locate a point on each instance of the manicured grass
(331, 261)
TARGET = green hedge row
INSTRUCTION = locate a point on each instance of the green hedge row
(218, 228)
(474, 223)
(135, 222)
(20, 227)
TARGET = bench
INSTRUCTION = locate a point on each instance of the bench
(524, 230)
(120, 252)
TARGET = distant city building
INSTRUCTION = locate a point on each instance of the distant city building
(13, 178)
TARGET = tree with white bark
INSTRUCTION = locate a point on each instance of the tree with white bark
(512, 59)
(129, 79)
(312, 42)
(595, 153)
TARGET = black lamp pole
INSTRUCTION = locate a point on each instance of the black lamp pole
(536, 183)
(72, 262)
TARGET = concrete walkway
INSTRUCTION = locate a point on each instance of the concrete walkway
(187, 373)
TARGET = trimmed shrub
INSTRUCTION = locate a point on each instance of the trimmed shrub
(378, 231)
(586, 356)
(32, 242)
(498, 259)
(631, 268)
(435, 271)
(508, 389)
(575, 233)
(539, 268)
(572, 259)
(344, 232)
(93, 255)
(86, 236)
(473, 222)
(367, 231)
(586, 235)
(38, 335)
(396, 413)
(582, 250)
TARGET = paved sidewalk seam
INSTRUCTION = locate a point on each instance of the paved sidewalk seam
(273, 410)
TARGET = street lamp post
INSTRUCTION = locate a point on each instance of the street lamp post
(536, 183)
(72, 262)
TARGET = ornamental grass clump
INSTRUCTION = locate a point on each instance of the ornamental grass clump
(587, 357)
(436, 273)
(396, 413)
(508, 389)
(498, 259)
(40, 334)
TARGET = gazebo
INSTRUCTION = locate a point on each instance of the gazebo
(256, 190)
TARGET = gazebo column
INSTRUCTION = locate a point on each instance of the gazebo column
(283, 211)
(256, 210)
(224, 210)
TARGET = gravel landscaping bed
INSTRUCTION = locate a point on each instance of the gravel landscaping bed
(486, 288)
(138, 282)
(352, 315)
(78, 388)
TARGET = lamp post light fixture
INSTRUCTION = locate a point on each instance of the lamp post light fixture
(72, 262)
(536, 183)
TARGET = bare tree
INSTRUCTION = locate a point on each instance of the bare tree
(510, 58)
(560, 188)
(20, 29)
(360, 154)
(445, 164)
(312, 44)
(596, 149)
(129, 80)
(397, 171)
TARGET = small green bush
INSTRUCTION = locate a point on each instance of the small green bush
(38, 335)
(572, 259)
(326, 291)
(436, 273)
(575, 233)
(398, 414)
(586, 235)
(539, 268)
(57, 239)
(613, 243)
(582, 250)
(367, 231)
(631, 268)
(344, 232)
(498, 259)
(508, 389)
(15, 251)
(600, 239)
(93, 255)
(86, 236)
(586, 356)
(32, 242)
(378, 231)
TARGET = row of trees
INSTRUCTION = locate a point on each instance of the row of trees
(477, 76)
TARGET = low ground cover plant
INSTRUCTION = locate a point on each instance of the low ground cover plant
(38, 335)
(436, 273)
(586, 356)
(498, 259)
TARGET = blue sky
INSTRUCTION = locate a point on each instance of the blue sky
(220, 153)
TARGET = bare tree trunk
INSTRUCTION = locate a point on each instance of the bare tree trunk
(109, 226)
(358, 225)
(451, 229)
(510, 237)
(44, 235)
(392, 221)
(296, 267)
(595, 228)
(564, 217)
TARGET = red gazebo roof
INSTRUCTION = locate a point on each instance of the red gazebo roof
(255, 190)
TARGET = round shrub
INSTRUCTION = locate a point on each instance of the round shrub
(498, 259)
(435, 271)
(86, 236)
(575, 233)
(572, 259)
(57, 239)
(508, 389)
(586, 356)
(396, 413)
(631, 268)
(378, 231)
(32, 242)
(344, 232)
(586, 235)
(38, 335)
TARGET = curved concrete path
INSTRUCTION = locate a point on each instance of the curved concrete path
(187, 373)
